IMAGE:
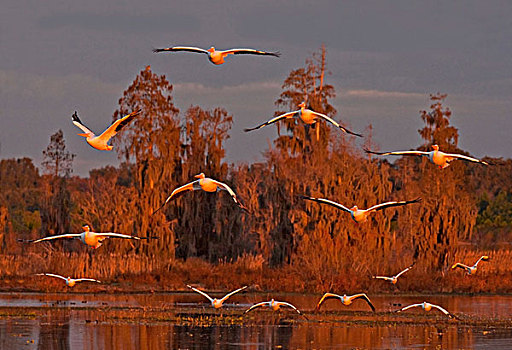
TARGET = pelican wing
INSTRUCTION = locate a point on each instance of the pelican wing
(68, 235)
(392, 204)
(118, 125)
(231, 193)
(117, 235)
(383, 278)
(443, 311)
(272, 121)
(364, 297)
(462, 266)
(187, 187)
(328, 202)
(78, 123)
(251, 52)
(181, 48)
(335, 123)
(461, 156)
(409, 307)
(283, 303)
(230, 294)
(403, 271)
(325, 297)
(398, 153)
(483, 257)
(52, 275)
(255, 306)
(86, 279)
(201, 292)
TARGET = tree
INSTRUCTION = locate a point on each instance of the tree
(57, 165)
(306, 84)
(57, 162)
(20, 197)
(437, 129)
(203, 220)
(153, 142)
(448, 211)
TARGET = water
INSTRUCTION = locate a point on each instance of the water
(185, 321)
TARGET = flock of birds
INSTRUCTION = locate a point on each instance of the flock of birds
(307, 116)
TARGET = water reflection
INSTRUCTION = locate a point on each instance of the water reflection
(109, 328)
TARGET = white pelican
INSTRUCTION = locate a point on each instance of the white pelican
(274, 305)
(101, 142)
(427, 307)
(216, 303)
(307, 116)
(217, 56)
(470, 269)
(70, 282)
(206, 184)
(361, 215)
(92, 239)
(436, 156)
(345, 299)
(394, 278)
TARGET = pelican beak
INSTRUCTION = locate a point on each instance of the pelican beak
(84, 135)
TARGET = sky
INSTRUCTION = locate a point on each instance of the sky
(384, 58)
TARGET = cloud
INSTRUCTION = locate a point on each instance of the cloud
(371, 94)
(50, 87)
(121, 22)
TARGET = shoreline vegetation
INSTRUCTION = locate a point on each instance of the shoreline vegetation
(284, 243)
(133, 273)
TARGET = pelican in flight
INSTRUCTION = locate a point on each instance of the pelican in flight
(307, 116)
(361, 215)
(216, 303)
(217, 56)
(435, 156)
(92, 239)
(206, 184)
(427, 307)
(393, 279)
(274, 305)
(470, 269)
(345, 299)
(101, 142)
(70, 282)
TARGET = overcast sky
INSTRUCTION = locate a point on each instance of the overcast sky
(385, 58)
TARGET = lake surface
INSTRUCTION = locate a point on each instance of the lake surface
(186, 321)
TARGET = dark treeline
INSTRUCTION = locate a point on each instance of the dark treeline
(466, 207)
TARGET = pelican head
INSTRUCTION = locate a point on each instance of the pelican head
(435, 147)
(426, 306)
(86, 228)
(211, 50)
(200, 176)
(354, 208)
(302, 104)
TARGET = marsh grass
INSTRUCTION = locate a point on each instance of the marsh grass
(133, 272)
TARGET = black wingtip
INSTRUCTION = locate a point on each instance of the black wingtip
(249, 129)
(157, 50)
(74, 117)
(352, 133)
(369, 151)
(160, 208)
